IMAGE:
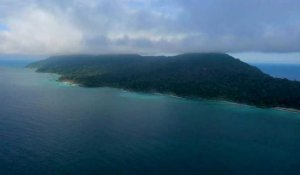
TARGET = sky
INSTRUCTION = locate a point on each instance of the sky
(256, 30)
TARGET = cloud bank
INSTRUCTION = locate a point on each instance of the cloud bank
(148, 27)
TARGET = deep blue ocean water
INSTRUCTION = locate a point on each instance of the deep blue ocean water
(289, 71)
(47, 127)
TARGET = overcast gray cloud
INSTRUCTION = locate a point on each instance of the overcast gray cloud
(148, 27)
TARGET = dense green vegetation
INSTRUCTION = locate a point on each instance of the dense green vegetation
(206, 75)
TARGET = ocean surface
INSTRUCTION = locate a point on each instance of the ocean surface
(289, 71)
(48, 127)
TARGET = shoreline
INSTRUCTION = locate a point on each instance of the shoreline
(69, 82)
(74, 83)
(287, 109)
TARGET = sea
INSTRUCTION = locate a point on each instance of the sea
(52, 128)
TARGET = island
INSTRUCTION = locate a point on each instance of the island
(192, 75)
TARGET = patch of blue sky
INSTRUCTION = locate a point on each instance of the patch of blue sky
(3, 27)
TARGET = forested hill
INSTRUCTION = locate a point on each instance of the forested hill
(206, 75)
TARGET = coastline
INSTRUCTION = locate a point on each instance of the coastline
(69, 82)
(74, 83)
(287, 109)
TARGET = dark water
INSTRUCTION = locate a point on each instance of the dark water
(48, 127)
(289, 71)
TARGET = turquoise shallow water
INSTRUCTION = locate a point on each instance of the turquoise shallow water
(47, 127)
